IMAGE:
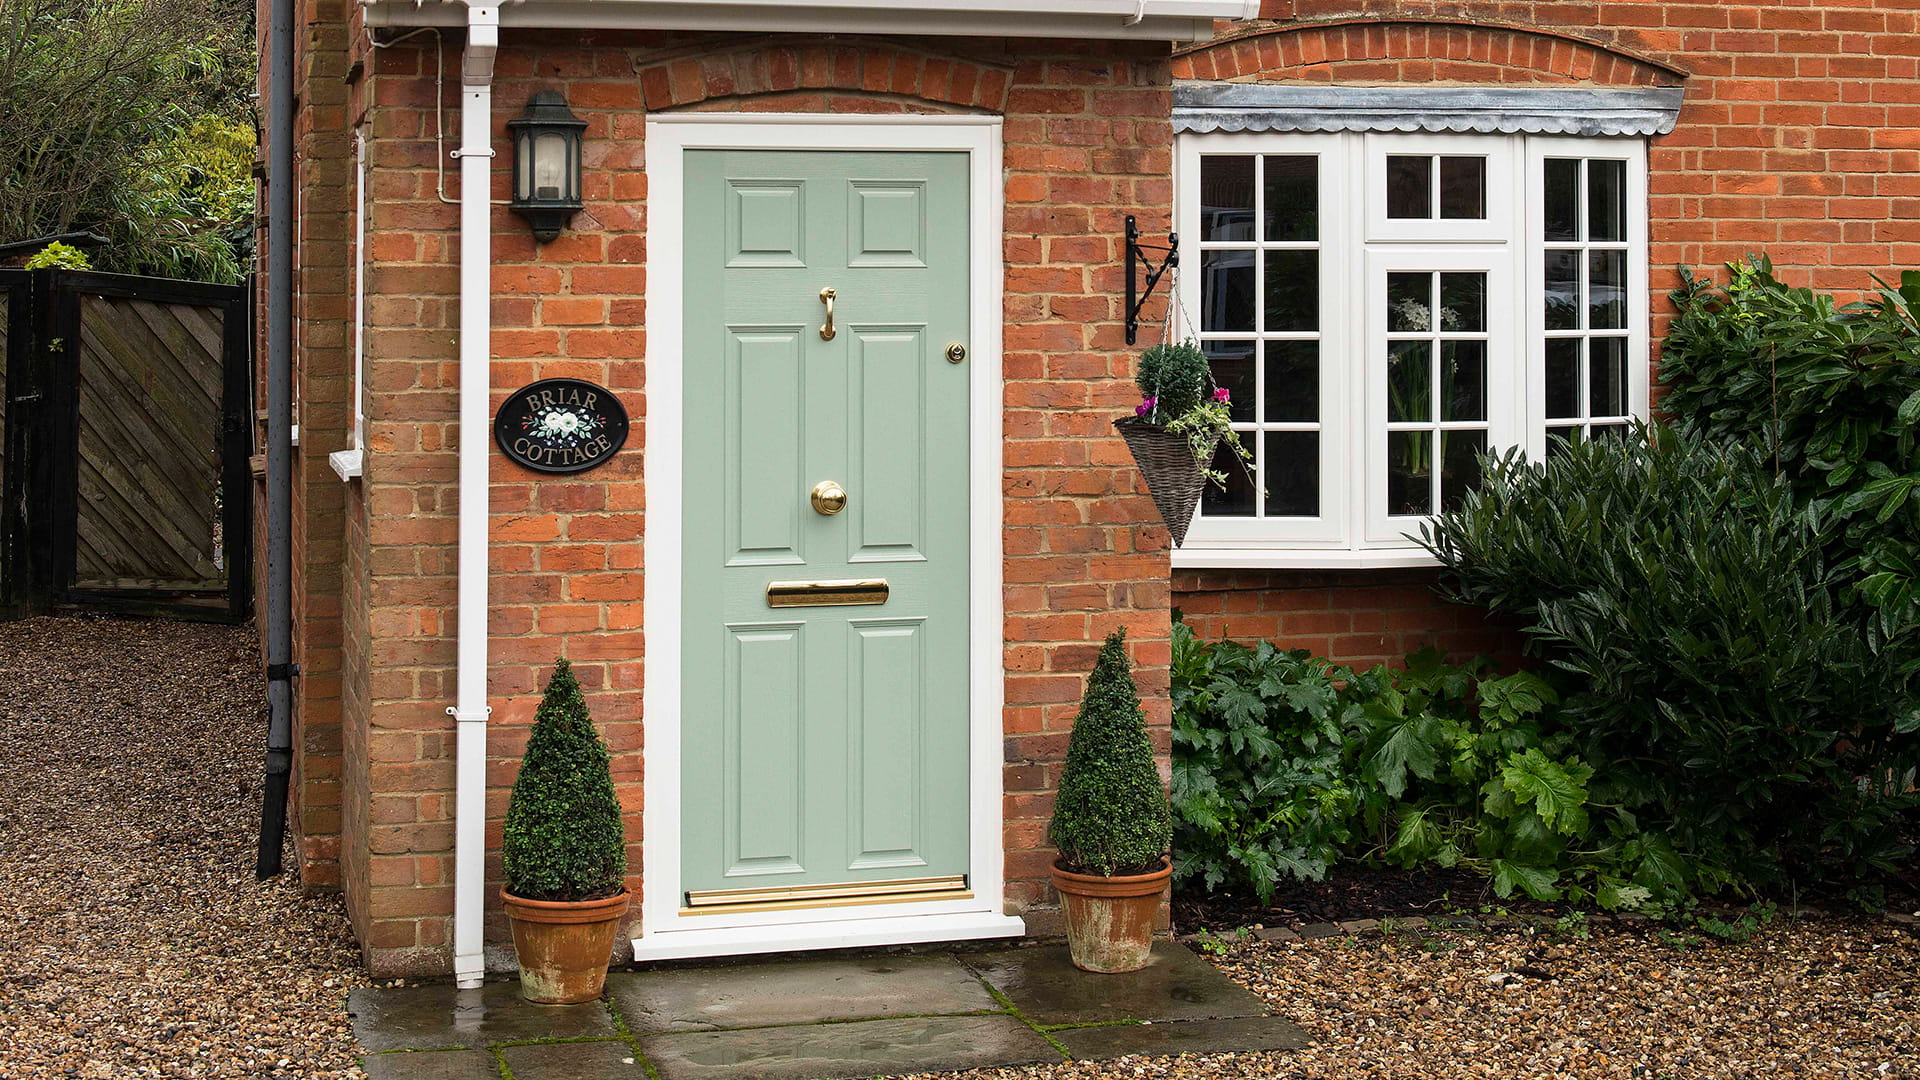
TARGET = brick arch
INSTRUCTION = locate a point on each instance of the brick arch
(877, 69)
(1422, 50)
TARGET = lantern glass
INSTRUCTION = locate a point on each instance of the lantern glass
(550, 167)
(546, 163)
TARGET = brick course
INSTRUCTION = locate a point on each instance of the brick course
(1798, 138)
(1086, 141)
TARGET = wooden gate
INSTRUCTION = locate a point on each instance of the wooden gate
(128, 439)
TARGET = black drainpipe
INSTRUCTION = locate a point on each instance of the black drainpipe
(280, 182)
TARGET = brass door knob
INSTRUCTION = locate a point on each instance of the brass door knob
(829, 498)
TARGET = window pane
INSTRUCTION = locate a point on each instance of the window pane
(1463, 380)
(1226, 198)
(1607, 368)
(1233, 370)
(1236, 499)
(1293, 474)
(1606, 200)
(1226, 290)
(1563, 290)
(1409, 381)
(1293, 290)
(1409, 303)
(1463, 188)
(1460, 469)
(1293, 198)
(1409, 186)
(1610, 431)
(1558, 439)
(1409, 472)
(1607, 290)
(1563, 379)
(1293, 381)
(1463, 303)
(1563, 200)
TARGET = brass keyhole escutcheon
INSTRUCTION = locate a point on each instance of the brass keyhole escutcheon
(829, 498)
(956, 352)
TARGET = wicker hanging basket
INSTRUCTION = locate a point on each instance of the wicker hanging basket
(1175, 478)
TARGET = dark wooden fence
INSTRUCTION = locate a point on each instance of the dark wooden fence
(124, 460)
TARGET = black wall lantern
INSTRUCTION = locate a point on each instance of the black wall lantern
(546, 163)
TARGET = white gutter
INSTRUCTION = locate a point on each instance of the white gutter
(1149, 20)
(476, 359)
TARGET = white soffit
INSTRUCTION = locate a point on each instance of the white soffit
(1203, 107)
(1161, 20)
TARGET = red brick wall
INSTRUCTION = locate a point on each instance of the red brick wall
(1360, 617)
(1800, 138)
(1087, 140)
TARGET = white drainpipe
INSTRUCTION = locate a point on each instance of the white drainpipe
(476, 357)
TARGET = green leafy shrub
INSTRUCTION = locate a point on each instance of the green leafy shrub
(58, 256)
(1110, 817)
(1727, 693)
(1829, 394)
(1285, 764)
(1174, 379)
(564, 838)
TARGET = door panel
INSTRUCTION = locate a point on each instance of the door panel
(824, 745)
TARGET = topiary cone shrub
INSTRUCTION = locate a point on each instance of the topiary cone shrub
(564, 838)
(1110, 818)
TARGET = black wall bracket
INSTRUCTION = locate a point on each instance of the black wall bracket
(1136, 257)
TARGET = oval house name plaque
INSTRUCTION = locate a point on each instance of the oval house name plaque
(561, 426)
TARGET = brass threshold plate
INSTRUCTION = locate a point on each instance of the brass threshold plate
(905, 890)
(827, 593)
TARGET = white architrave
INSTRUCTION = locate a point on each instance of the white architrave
(665, 932)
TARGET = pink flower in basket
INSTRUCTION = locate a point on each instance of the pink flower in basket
(1220, 394)
(1146, 406)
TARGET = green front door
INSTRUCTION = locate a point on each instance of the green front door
(824, 714)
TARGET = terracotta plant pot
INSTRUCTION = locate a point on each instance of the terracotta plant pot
(564, 946)
(1110, 919)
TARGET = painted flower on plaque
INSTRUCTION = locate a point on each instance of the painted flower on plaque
(561, 426)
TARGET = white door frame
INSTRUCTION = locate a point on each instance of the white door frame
(665, 933)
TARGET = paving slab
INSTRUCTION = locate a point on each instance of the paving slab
(1175, 985)
(796, 992)
(575, 1061)
(432, 1065)
(1179, 1037)
(847, 1051)
(436, 1017)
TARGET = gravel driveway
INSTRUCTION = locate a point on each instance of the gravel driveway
(134, 941)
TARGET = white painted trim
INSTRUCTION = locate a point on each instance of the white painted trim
(1147, 20)
(664, 930)
(348, 464)
(1202, 557)
(839, 934)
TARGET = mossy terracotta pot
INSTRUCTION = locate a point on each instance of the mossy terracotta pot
(564, 946)
(1110, 919)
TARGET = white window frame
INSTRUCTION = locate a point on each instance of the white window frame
(1356, 240)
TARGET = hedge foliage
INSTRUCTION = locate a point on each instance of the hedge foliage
(1110, 817)
(1725, 687)
(1829, 394)
(564, 836)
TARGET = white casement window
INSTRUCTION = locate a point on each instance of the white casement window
(1384, 307)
